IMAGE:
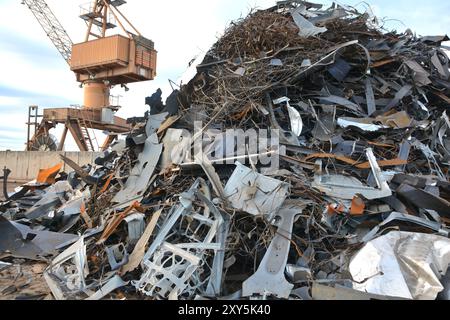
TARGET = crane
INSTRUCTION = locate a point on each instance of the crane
(99, 63)
(52, 27)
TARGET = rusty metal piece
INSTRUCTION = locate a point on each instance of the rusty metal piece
(116, 220)
(85, 216)
(383, 163)
(48, 175)
(363, 165)
(107, 183)
(358, 206)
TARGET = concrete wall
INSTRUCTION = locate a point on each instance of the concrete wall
(25, 166)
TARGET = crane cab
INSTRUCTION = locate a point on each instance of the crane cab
(116, 59)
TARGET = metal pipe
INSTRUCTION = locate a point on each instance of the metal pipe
(6, 173)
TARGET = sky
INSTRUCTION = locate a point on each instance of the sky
(33, 72)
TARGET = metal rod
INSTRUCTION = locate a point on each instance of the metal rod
(6, 173)
(125, 18)
(117, 19)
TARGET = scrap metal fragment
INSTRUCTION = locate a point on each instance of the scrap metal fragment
(53, 197)
(340, 69)
(323, 292)
(117, 256)
(212, 175)
(270, 279)
(66, 274)
(341, 102)
(6, 173)
(405, 149)
(363, 124)
(136, 226)
(443, 71)
(80, 171)
(421, 76)
(423, 199)
(402, 264)
(298, 274)
(48, 175)
(294, 115)
(139, 250)
(343, 187)
(21, 241)
(370, 98)
(113, 284)
(116, 220)
(254, 193)
(4, 265)
(430, 155)
(140, 176)
(401, 219)
(171, 270)
(214, 288)
(403, 92)
(307, 29)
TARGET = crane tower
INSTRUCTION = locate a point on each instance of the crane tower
(102, 61)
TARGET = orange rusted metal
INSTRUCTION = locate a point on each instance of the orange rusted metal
(331, 156)
(107, 183)
(333, 209)
(115, 221)
(383, 163)
(49, 175)
(85, 216)
(364, 165)
(358, 206)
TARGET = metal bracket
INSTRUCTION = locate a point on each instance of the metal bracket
(269, 279)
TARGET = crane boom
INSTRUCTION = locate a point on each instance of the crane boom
(52, 27)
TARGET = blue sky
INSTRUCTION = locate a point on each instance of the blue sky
(33, 73)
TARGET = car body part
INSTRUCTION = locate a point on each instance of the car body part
(270, 278)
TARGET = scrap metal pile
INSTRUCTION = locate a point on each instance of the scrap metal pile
(197, 203)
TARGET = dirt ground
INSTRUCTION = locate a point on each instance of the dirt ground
(24, 282)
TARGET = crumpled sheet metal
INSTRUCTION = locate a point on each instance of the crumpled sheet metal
(307, 28)
(140, 176)
(402, 264)
(21, 241)
(254, 193)
(53, 197)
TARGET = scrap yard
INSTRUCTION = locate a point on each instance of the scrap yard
(304, 156)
